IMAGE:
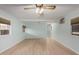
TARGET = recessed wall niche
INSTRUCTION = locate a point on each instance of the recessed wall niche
(4, 26)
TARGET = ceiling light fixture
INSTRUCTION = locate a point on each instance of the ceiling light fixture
(39, 8)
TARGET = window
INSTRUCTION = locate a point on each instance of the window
(75, 26)
(4, 26)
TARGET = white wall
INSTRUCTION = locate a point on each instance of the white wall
(36, 29)
(16, 35)
(62, 32)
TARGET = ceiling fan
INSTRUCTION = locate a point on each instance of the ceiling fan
(40, 7)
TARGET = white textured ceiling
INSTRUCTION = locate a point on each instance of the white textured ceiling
(25, 15)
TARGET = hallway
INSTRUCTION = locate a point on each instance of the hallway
(38, 47)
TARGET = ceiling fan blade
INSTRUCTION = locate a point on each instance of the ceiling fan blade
(49, 7)
(29, 7)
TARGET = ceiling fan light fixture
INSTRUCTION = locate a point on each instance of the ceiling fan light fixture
(39, 10)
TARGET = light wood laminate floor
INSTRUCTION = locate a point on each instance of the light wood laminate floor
(38, 47)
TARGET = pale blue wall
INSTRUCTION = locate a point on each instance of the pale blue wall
(37, 29)
(62, 32)
(16, 35)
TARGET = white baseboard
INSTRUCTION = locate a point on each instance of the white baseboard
(11, 46)
(66, 46)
